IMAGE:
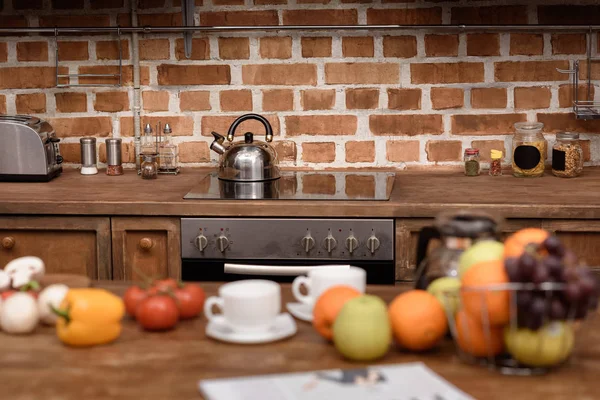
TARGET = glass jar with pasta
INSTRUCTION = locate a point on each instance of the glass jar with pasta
(529, 150)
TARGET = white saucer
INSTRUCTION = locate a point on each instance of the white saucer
(283, 327)
(301, 311)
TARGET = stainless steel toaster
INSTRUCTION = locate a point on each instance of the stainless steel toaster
(28, 149)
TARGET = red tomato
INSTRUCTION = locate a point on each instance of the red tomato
(132, 298)
(190, 300)
(157, 313)
(164, 285)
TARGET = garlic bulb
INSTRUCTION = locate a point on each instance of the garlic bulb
(19, 314)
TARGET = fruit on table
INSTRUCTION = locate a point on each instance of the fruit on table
(362, 331)
(475, 339)
(49, 298)
(418, 320)
(19, 314)
(190, 300)
(89, 317)
(157, 312)
(132, 298)
(328, 306)
(486, 250)
(522, 240)
(446, 290)
(546, 347)
(481, 301)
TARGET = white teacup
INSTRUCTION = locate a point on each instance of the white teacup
(319, 280)
(250, 305)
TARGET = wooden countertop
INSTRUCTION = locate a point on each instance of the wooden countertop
(415, 194)
(142, 365)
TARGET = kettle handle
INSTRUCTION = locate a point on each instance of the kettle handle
(425, 236)
(237, 122)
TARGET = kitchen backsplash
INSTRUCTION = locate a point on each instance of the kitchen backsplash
(335, 98)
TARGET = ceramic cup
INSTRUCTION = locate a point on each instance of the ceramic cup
(247, 306)
(319, 280)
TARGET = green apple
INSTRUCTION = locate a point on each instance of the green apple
(362, 330)
(548, 346)
(446, 291)
(486, 250)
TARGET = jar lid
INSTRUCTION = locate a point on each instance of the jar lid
(567, 136)
(471, 151)
(529, 126)
(495, 154)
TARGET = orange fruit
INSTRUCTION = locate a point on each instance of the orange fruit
(418, 320)
(472, 338)
(517, 243)
(479, 300)
(328, 306)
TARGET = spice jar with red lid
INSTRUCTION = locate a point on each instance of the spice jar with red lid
(472, 166)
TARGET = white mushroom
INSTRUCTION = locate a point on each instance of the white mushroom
(19, 314)
(24, 270)
(4, 281)
(51, 296)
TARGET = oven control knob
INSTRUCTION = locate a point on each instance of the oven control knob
(201, 242)
(351, 243)
(222, 243)
(373, 244)
(329, 243)
(308, 243)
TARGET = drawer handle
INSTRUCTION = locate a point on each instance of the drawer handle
(8, 242)
(146, 244)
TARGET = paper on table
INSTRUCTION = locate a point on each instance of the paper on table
(411, 381)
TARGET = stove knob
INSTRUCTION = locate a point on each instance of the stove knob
(201, 242)
(222, 243)
(351, 243)
(308, 242)
(329, 243)
(373, 244)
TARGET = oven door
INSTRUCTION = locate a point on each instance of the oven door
(283, 271)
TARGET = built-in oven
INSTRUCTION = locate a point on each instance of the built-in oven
(279, 249)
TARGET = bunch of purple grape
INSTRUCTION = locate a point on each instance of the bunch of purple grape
(551, 262)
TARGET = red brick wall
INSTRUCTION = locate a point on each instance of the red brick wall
(381, 98)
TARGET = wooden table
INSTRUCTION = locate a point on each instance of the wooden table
(147, 366)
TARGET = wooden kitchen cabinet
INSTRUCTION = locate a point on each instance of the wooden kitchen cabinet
(73, 245)
(581, 236)
(146, 246)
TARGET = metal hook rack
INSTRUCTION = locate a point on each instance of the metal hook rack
(61, 77)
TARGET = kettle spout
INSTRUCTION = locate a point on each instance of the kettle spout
(217, 144)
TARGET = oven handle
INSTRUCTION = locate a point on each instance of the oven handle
(248, 269)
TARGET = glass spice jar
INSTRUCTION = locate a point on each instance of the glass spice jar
(529, 150)
(495, 163)
(567, 155)
(472, 166)
(149, 167)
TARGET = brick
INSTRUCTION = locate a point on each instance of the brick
(127, 152)
(28, 4)
(198, 100)
(73, 51)
(194, 152)
(366, 73)
(316, 47)
(181, 125)
(155, 100)
(362, 99)
(82, 126)
(278, 100)
(318, 184)
(32, 51)
(80, 21)
(485, 124)
(234, 48)
(360, 186)
(399, 46)
(286, 150)
(70, 152)
(177, 3)
(34, 103)
(69, 102)
(587, 151)
(486, 146)
(488, 97)
(461, 72)
(483, 44)
(568, 14)
(145, 4)
(111, 101)
(446, 98)
(242, 18)
(13, 21)
(67, 4)
(516, 71)
(228, 2)
(318, 152)
(565, 94)
(404, 99)
(321, 125)
(320, 17)
(107, 4)
(402, 150)
(276, 47)
(363, 151)
(317, 99)
(571, 43)
(171, 74)
(561, 122)
(280, 74)
(221, 124)
(532, 97)
(154, 49)
(200, 49)
(127, 77)
(493, 15)
(443, 150)
(3, 52)
(441, 45)
(526, 44)
(358, 46)
(236, 100)
(269, 2)
(28, 77)
(405, 16)
(2, 104)
(406, 125)
(594, 73)
(158, 19)
(109, 50)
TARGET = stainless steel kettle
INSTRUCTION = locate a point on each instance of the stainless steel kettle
(247, 161)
